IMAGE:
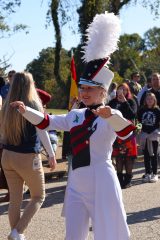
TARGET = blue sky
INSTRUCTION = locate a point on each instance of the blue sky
(24, 48)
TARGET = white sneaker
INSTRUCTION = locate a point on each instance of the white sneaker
(14, 235)
(154, 178)
(147, 178)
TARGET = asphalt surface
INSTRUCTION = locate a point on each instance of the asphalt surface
(141, 202)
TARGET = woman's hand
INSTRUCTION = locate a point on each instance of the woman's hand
(103, 111)
(19, 105)
(121, 98)
(52, 162)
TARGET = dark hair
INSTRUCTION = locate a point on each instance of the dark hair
(12, 72)
(112, 86)
(149, 79)
(126, 80)
(133, 74)
(2, 82)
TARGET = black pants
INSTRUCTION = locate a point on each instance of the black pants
(125, 162)
(150, 162)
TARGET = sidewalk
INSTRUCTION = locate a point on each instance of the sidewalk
(142, 203)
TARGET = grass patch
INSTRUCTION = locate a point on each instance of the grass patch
(57, 111)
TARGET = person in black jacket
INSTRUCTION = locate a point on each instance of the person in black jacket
(155, 82)
(125, 151)
(149, 117)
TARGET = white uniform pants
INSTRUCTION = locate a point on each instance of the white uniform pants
(94, 192)
(77, 227)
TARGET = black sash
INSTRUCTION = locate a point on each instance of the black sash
(80, 140)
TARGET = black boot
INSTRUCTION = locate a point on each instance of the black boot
(121, 179)
(127, 180)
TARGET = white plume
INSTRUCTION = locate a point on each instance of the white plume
(102, 37)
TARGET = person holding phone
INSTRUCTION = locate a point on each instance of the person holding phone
(125, 151)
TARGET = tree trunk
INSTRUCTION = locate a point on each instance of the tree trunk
(58, 47)
(116, 5)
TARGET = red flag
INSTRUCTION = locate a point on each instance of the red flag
(74, 87)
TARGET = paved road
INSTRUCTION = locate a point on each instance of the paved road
(142, 203)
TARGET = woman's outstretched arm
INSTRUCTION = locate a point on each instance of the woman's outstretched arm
(32, 115)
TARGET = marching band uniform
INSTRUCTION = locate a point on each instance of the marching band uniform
(92, 183)
(93, 190)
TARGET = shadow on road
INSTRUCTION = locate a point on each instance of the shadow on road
(4, 209)
(54, 195)
(138, 168)
(137, 181)
(143, 216)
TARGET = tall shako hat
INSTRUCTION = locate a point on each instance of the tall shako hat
(102, 38)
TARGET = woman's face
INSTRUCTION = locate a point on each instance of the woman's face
(150, 101)
(91, 95)
(122, 90)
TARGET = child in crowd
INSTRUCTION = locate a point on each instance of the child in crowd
(149, 117)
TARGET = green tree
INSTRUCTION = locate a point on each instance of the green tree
(87, 11)
(128, 58)
(43, 74)
(152, 38)
(42, 67)
(6, 30)
(137, 54)
(151, 57)
(153, 5)
(6, 9)
(151, 61)
(116, 5)
(54, 15)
